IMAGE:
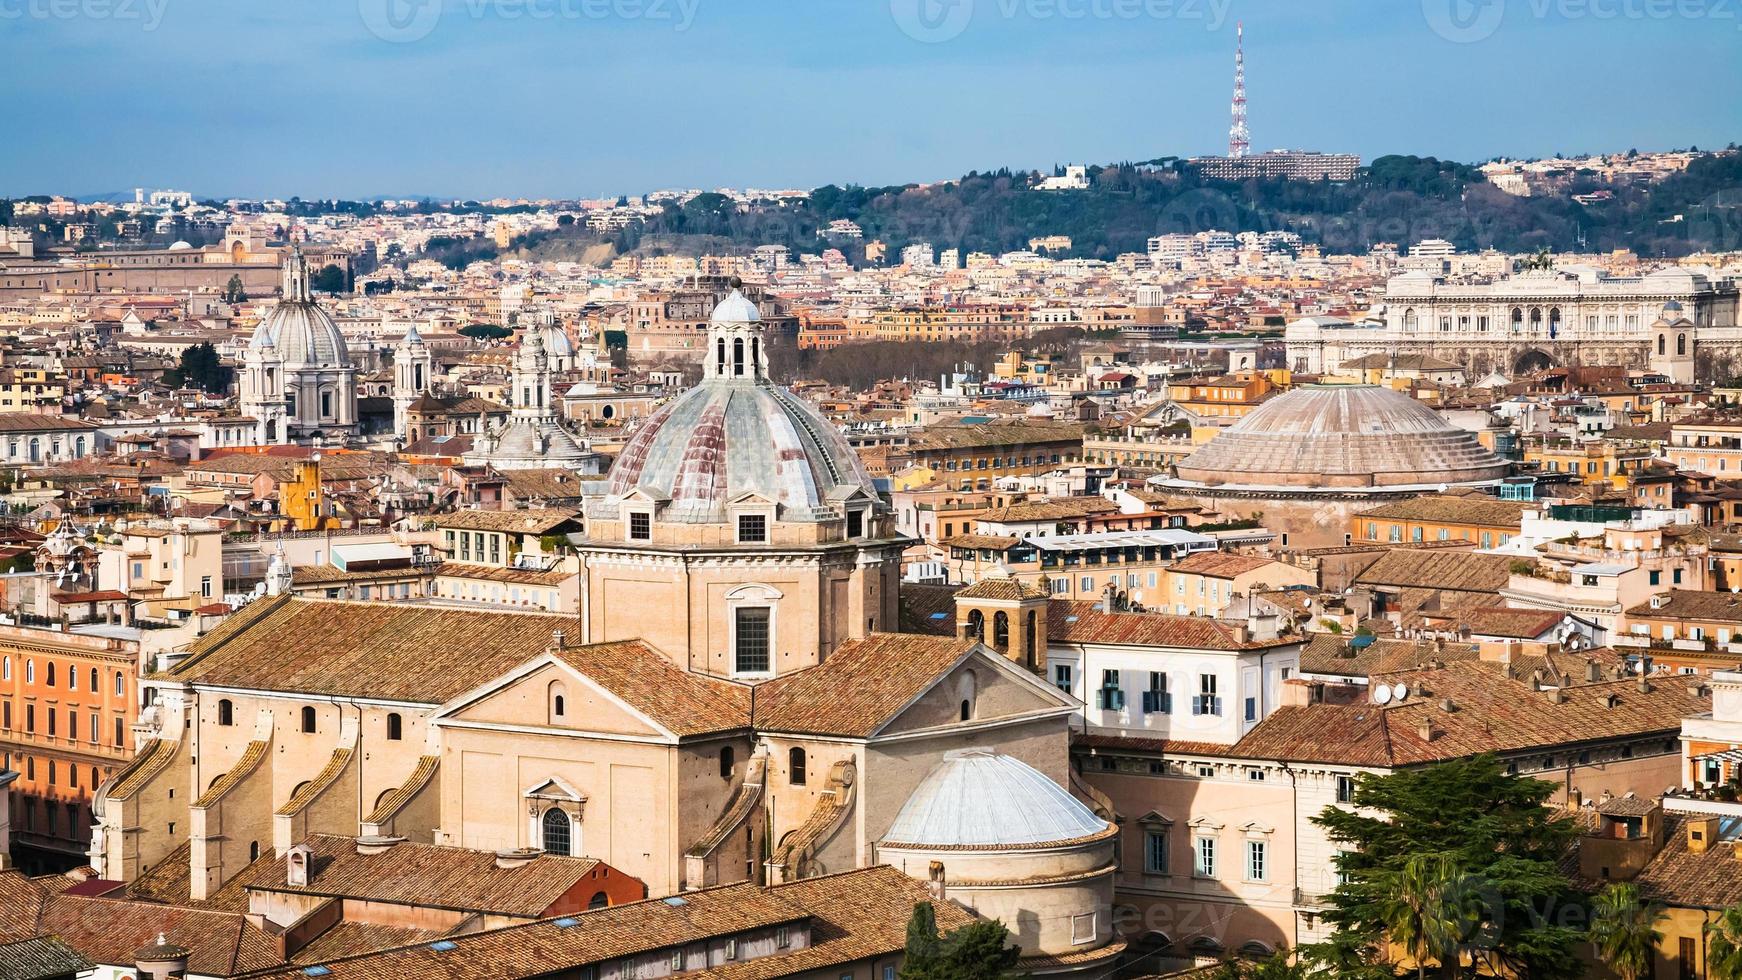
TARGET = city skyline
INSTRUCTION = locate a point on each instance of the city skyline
(484, 98)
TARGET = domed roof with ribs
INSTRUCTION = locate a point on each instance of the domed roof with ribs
(1328, 436)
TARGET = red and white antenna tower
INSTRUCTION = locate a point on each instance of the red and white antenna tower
(1239, 140)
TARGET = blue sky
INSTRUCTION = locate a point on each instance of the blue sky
(588, 97)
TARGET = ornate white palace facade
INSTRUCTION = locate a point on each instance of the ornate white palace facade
(1680, 322)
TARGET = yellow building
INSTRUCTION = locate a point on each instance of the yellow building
(1601, 463)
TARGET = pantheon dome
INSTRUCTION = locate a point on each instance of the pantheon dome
(738, 432)
(1341, 437)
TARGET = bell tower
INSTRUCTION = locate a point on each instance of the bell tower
(1007, 615)
(1672, 344)
(413, 366)
(736, 351)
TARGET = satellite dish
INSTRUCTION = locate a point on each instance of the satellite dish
(1381, 694)
(1399, 691)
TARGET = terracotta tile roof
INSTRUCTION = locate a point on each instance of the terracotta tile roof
(855, 916)
(858, 688)
(1340, 656)
(43, 958)
(356, 938)
(1720, 607)
(1111, 742)
(536, 521)
(1082, 621)
(929, 609)
(1055, 509)
(1452, 508)
(494, 573)
(397, 652)
(1002, 588)
(428, 875)
(1491, 712)
(1453, 571)
(681, 702)
(308, 791)
(995, 542)
(110, 931)
(1520, 624)
(1677, 876)
(1220, 564)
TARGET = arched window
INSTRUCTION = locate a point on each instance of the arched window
(79, 447)
(1409, 320)
(976, 625)
(1660, 345)
(30, 672)
(598, 901)
(1029, 634)
(226, 712)
(1681, 344)
(1554, 319)
(308, 719)
(395, 727)
(558, 701)
(94, 681)
(6, 669)
(51, 673)
(253, 850)
(728, 762)
(737, 355)
(967, 709)
(1001, 630)
(795, 766)
(558, 832)
(1517, 318)
(1535, 319)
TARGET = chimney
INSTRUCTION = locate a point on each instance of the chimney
(296, 865)
(1424, 729)
(935, 886)
(1644, 686)
(1575, 799)
(1557, 696)
(1448, 706)
(1593, 671)
(161, 961)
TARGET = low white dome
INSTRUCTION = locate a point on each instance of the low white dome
(180, 247)
(735, 308)
(981, 798)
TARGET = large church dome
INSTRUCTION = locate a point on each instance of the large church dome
(982, 798)
(737, 432)
(1342, 436)
(298, 328)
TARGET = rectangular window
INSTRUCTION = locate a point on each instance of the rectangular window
(1157, 700)
(1204, 857)
(1255, 869)
(1251, 709)
(1155, 852)
(640, 527)
(1061, 677)
(1206, 703)
(1687, 963)
(751, 641)
(1111, 697)
(855, 523)
(120, 730)
(1345, 789)
(752, 528)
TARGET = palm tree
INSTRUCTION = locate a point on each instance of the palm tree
(1428, 911)
(1724, 945)
(1624, 930)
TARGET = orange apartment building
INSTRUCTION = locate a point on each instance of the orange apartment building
(1600, 463)
(1451, 516)
(1224, 396)
(66, 703)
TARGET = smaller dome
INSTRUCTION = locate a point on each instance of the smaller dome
(981, 798)
(556, 341)
(735, 308)
(180, 247)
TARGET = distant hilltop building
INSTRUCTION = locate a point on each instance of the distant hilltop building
(1075, 178)
(1283, 164)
